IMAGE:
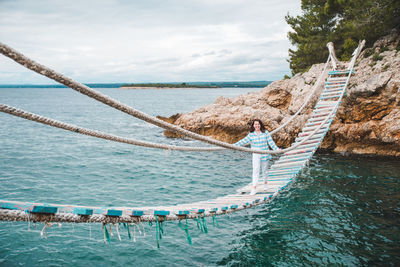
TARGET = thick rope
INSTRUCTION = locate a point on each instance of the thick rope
(62, 217)
(316, 85)
(335, 61)
(76, 129)
(43, 70)
(356, 52)
(30, 116)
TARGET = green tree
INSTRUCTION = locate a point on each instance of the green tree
(343, 22)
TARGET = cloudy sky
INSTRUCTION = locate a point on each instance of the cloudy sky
(148, 40)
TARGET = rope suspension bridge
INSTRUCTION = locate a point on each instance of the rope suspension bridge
(280, 175)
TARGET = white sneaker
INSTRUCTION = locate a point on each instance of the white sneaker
(265, 187)
(253, 191)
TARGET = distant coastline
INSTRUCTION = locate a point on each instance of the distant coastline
(196, 85)
(173, 85)
(166, 86)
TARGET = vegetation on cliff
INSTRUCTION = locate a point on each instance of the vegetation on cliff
(339, 21)
(167, 85)
(260, 84)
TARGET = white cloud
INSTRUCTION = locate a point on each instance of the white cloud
(148, 40)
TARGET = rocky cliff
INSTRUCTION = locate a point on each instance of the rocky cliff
(368, 121)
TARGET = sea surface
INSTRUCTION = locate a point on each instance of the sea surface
(341, 210)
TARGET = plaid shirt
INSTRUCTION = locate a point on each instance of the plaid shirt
(259, 141)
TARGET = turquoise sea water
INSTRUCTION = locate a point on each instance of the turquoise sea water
(341, 210)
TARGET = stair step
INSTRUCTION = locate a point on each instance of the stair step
(334, 86)
(332, 93)
(315, 119)
(326, 103)
(321, 114)
(296, 156)
(291, 160)
(332, 90)
(292, 164)
(320, 131)
(342, 81)
(307, 145)
(300, 151)
(315, 125)
(314, 137)
(310, 129)
(336, 78)
(322, 109)
(281, 172)
(339, 72)
(332, 96)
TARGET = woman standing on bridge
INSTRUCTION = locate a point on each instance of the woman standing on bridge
(259, 138)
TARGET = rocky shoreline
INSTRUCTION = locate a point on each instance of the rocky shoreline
(367, 122)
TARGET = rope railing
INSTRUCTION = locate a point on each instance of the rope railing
(45, 71)
(76, 129)
(335, 61)
(315, 87)
(356, 52)
(54, 123)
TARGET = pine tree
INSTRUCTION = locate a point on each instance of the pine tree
(340, 21)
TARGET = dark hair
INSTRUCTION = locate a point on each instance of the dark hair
(252, 125)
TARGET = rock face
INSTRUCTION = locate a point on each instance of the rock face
(367, 122)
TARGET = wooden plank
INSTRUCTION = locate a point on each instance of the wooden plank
(326, 103)
(342, 81)
(275, 172)
(316, 118)
(307, 145)
(334, 86)
(289, 164)
(332, 93)
(83, 211)
(332, 96)
(316, 136)
(296, 156)
(161, 212)
(300, 151)
(322, 109)
(336, 78)
(137, 213)
(280, 178)
(44, 209)
(320, 131)
(321, 114)
(9, 206)
(310, 127)
(276, 179)
(332, 90)
(291, 160)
